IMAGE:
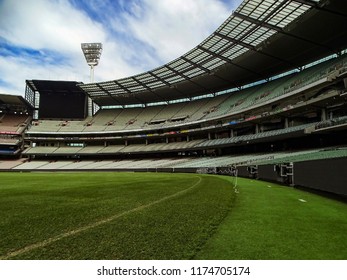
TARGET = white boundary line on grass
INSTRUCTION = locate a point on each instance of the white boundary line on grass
(93, 225)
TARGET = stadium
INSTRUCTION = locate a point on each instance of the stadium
(235, 150)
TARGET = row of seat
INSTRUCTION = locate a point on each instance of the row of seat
(250, 137)
(157, 147)
(329, 123)
(13, 123)
(307, 156)
(99, 150)
(181, 162)
(155, 117)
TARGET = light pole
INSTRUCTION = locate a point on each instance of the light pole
(92, 53)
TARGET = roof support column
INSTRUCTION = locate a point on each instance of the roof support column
(323, 114)
(257, 128)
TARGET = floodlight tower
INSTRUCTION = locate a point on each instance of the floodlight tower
(92, 53)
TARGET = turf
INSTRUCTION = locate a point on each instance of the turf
(109, 215)
(269, 221)
(164, 216)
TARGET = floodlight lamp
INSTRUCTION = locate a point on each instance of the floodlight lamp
(92, 53)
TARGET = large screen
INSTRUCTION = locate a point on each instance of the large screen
(61, 100)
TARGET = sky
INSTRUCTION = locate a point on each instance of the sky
(41, 39)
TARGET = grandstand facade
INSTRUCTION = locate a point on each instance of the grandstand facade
(265, 91)
(15, 116)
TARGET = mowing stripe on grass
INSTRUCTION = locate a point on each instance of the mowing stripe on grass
(93, 225)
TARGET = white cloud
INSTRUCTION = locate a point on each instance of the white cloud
(41, 24)
(174, 27)
(137, 37)
(47, 27)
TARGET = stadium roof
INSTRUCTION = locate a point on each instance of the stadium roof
(260, 39)
(10, 102)
(49, 86)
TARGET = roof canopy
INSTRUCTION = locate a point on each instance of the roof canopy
(49, 86)
(13, 103)
(260, 39)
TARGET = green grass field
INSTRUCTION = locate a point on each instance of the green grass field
(164, 216)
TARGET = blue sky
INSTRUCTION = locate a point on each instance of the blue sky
(40, 39)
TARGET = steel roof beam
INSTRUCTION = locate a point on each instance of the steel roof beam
(307, 2)
(208, 71)
(131, 94)
(122, 87)
(159, 78)
(229, 61)
(171, 86)
(235, 41)
(278, 29)
(253, 48)
(109, 94)
(258, 22)
(187, 79)
(147, 87)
